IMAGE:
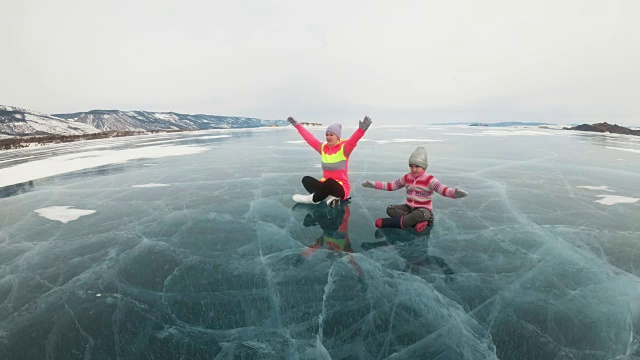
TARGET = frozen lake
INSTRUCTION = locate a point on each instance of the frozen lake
(189, 246)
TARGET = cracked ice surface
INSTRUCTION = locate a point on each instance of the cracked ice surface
(204, 255)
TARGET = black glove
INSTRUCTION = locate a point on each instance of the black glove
(365, 123)
(292, 121)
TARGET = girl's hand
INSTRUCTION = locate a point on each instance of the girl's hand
(459, 193)
(369, 184)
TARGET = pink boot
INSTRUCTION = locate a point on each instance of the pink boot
(421, 226)
(389, 223)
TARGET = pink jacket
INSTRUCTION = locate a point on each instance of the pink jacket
(419, 190)
(341, 172)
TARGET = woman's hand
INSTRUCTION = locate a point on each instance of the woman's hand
(365, 123)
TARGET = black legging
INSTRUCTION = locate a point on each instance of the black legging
(322, 189)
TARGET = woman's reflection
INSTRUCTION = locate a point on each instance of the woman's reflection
(334, 223)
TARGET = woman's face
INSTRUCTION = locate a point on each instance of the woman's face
(332, 138)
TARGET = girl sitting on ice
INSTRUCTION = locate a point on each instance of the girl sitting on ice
(417, 211)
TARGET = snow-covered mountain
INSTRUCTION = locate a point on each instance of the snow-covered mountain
(20, 122)
(143, 120)
(15, 121)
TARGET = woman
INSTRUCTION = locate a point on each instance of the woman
(334, 185)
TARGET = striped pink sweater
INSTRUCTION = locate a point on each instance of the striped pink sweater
(419, 190)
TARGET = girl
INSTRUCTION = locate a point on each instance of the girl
(417, 211)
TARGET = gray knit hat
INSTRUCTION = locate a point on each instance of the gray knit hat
(419, 158)
(336, 129)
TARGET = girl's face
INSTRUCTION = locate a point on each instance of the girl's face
(416, 170)
(332, 138)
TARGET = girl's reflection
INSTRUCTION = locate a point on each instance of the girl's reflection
(413, 247)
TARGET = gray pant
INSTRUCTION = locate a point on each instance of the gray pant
(411, 216)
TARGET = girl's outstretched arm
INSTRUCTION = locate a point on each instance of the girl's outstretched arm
(444, 190)
(388, 186)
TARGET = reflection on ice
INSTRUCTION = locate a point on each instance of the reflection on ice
(369, 307)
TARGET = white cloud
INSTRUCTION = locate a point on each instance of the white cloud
(422, 60)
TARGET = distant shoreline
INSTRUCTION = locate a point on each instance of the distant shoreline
(13, 143)
(605, 128)
(25, 142)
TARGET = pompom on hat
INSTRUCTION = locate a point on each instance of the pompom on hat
(336, 129)
(419, 158)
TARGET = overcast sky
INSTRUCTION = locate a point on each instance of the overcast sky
(558, 61)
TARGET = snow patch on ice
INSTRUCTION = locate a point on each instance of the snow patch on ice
(599, 188)
(623, 149)
(75, 162)
(185, 139)
(463, 134)
(64, 214)
(211, 137)
(516, 132)
(149, 185)
(616, 199)
(16, 159)
(420, 140)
